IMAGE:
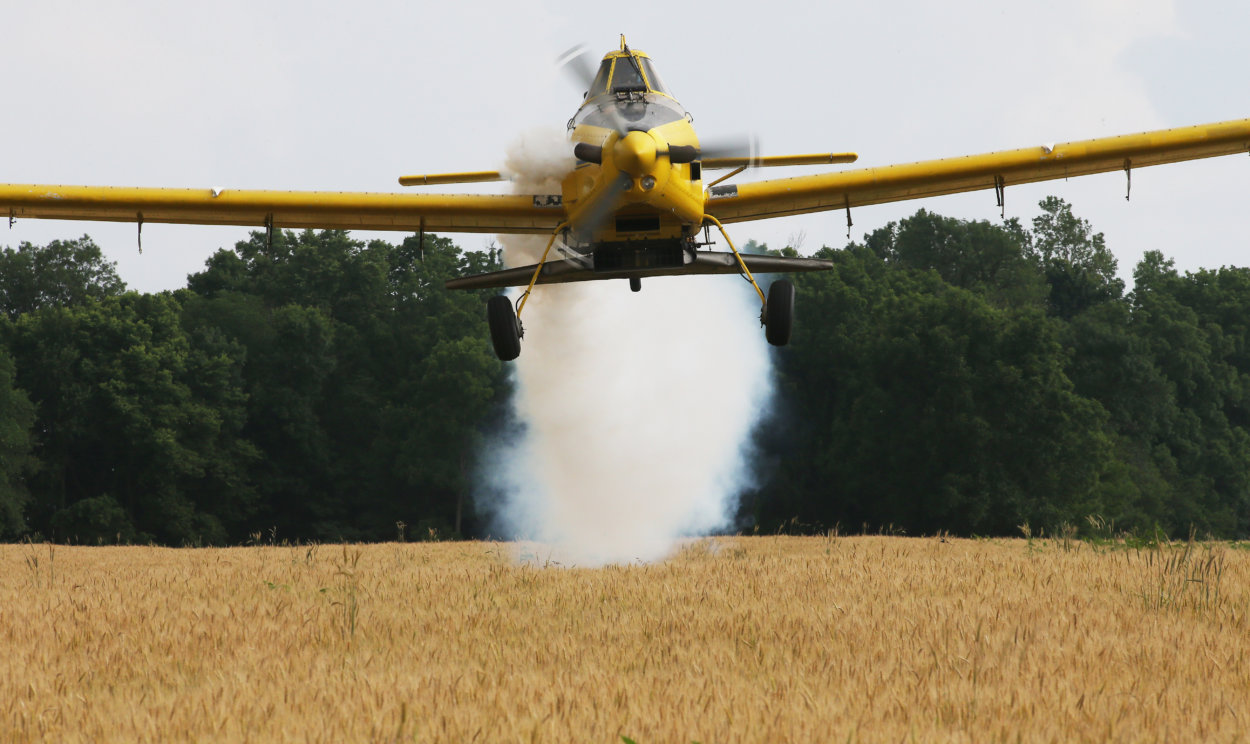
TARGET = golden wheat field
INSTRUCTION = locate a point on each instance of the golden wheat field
(733, 639)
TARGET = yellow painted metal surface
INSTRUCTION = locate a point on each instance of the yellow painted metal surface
(742, 264)
(772, 161)
(436, 179)
(538, 268)
(285, 209)
(674, 197)
(854, 188)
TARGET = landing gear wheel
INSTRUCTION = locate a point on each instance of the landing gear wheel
(505, 329)
(779, 313)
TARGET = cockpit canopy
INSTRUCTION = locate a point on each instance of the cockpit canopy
(627, 72)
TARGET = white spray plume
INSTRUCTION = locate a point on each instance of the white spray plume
(538, 161)
(636, 408)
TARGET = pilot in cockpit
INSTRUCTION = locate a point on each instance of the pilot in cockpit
(626, 78)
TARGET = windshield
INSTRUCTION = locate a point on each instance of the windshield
(600, 85)
(653, 77)
(625, 77)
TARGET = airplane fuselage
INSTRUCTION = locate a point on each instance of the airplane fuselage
(638, 177)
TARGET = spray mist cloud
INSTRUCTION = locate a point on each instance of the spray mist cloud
(636, 407)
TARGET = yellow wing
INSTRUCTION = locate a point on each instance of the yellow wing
(486, 213)
(855, 188)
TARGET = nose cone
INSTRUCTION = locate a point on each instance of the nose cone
(635, 153)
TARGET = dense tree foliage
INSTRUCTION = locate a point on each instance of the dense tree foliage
(64, 272)
(134, 434)
(311, 387)
(946, 376)
(17, 415)
(962, 376)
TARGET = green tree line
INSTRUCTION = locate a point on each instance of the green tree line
(972, 378)
(947, 375)
(309, 387)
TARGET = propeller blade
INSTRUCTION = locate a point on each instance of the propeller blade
(730, 147)
(578, 65)
(602, 207)
(743, 150)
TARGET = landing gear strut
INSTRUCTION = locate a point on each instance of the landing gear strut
(777, 312)
(505, 329)
(505, 324)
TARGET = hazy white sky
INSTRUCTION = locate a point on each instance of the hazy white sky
(319, 95)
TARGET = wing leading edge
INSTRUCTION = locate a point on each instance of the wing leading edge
(864, 186)
(331, 210)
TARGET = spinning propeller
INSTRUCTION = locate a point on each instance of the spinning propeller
(630, 147)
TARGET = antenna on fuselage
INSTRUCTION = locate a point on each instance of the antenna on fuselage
(632, 59)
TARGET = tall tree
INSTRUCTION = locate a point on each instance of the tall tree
(927, 405)
(1202, 451)
(16, 417)
(1079, 269)
(60, 274)
(978, 256)
(135, 434)
(368, 382)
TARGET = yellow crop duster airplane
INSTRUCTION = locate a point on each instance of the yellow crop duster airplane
(635, 205)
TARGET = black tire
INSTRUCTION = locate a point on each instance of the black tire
(505, 331)
(779, 313)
